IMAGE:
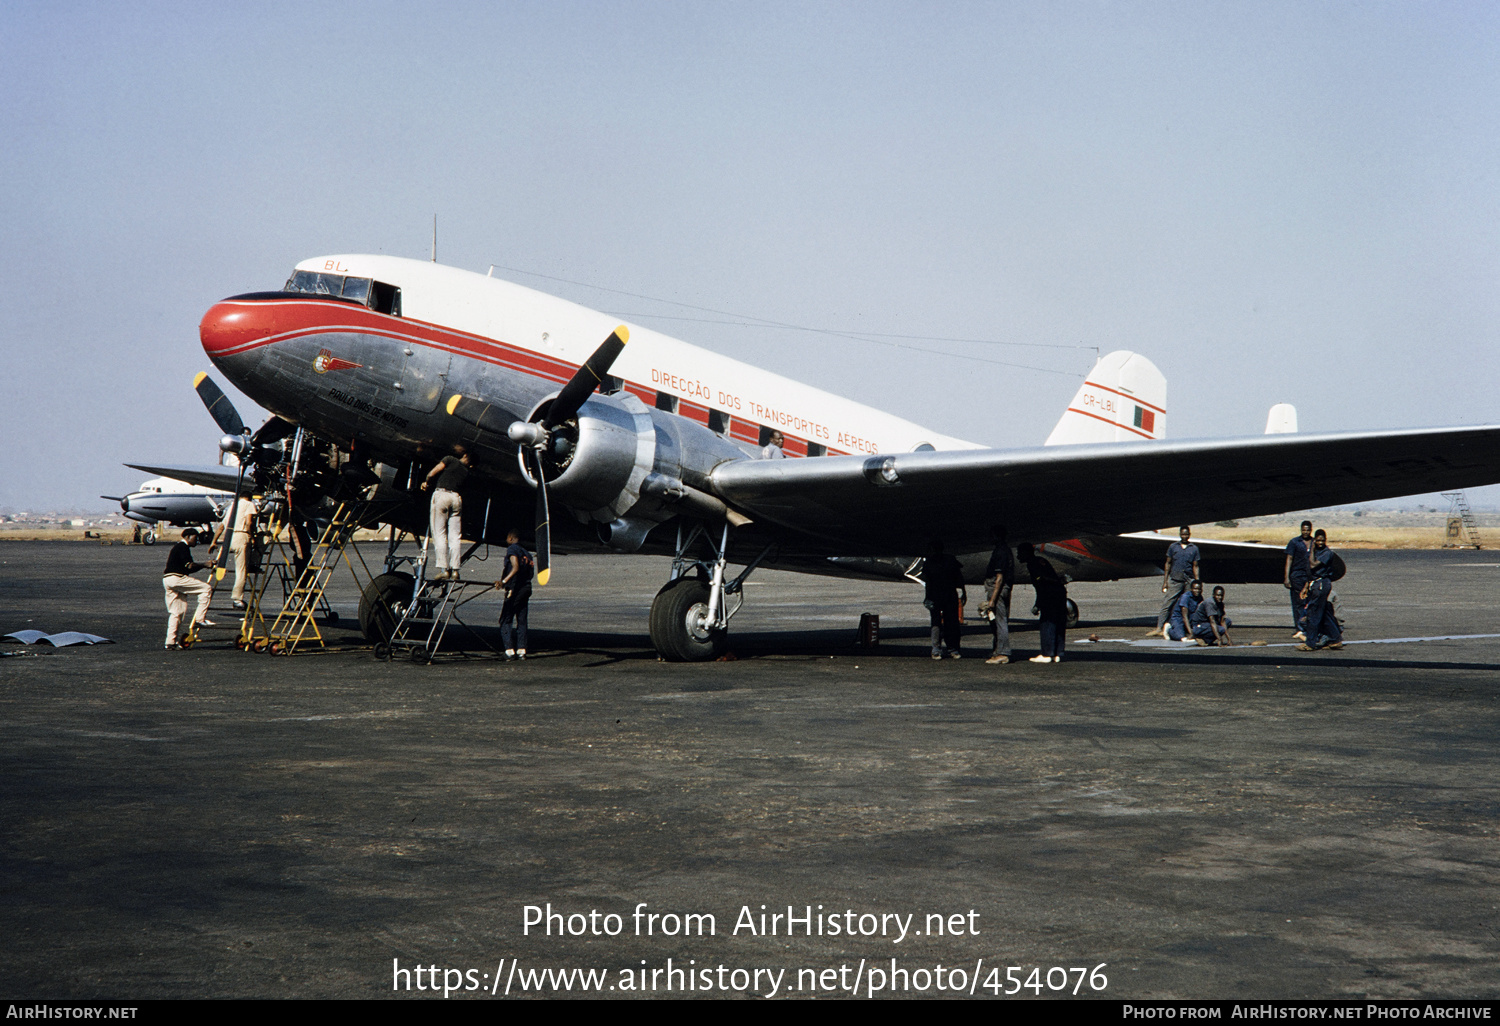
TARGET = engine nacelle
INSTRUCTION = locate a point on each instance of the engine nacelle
(597, 461)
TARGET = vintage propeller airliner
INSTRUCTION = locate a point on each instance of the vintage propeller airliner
(656, 445)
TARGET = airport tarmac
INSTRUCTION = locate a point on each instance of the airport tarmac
(1255, 823)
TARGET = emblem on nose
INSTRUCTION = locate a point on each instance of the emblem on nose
(326, 361)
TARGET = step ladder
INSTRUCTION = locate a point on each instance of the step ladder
(1463, 528)
(296, 623)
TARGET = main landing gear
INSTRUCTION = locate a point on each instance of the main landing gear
(690, 615)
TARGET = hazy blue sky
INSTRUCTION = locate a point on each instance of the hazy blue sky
(1274, 202)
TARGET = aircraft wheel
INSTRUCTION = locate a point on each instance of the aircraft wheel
(383, 602)
(674, 629)
(1072, 614)
(149, 538)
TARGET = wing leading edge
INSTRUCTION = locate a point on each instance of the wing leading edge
(884, 503)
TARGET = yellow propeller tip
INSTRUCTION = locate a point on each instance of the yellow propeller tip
(198, 378)
(543, 576)
(623, 332)
(453, 403)
(219, 573)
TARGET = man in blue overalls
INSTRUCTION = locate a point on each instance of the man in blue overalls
(1179, 570)
(1322, 626)
(1209, 621)
(1179, 628)
(1295, 576)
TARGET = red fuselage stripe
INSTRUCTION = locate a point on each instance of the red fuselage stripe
(1124, 395)
(1122, 427)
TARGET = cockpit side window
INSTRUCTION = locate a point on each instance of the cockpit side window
(385, 298)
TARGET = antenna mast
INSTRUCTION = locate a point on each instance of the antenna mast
(434, 238)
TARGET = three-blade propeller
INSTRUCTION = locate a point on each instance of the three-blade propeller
(238, 440)
(563, 409)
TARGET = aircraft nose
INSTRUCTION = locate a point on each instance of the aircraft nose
(230, 326)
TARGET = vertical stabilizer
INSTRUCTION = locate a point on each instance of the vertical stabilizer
(1282, 420)
(1124, 399)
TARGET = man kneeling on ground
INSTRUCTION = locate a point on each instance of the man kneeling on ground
(1209, 621)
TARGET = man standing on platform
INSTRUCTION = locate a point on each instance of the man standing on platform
(448, 511)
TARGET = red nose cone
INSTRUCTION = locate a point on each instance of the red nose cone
(231, 325)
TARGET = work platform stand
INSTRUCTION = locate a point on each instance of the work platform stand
(424, 622)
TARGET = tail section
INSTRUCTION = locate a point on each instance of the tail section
(1282, 420)
(1123, 399)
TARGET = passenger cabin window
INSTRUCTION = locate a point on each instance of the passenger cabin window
(376, 295)
(667, 402)
(816, 449)
(718, 421)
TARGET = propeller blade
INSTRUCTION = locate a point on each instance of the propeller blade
(223, 557)
(219, 406)
(576, 392)
(543, 527)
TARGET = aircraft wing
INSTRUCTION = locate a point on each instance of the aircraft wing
(211, 476)
(1224, 562)
(892, 503)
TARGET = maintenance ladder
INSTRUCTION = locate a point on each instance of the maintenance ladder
(1461, 523)
(296, 624)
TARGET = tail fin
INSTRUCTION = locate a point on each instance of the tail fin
(1123, 399)
(1282, 420)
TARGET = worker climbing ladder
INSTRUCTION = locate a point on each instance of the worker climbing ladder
(1463, 528)
(296, 624)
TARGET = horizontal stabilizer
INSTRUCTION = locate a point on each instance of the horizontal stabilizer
(1123, 399)
(1282, 420)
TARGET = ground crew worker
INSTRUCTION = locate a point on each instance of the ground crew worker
(1179, 628)
(177, 582)
(1209, 622)
(1180, 568)
(447, 511)
(1320, 624)
(239, 532)
(1051, 604)
(775, 449)
(1295, 576)
(1000, 577)
(517, 587)
(943, 577)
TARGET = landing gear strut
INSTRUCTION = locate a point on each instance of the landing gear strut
(690, 615)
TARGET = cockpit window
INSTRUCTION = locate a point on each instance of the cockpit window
(365, 291)
(357, 289)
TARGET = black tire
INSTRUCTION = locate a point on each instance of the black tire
(333, 616)
(149, 538)
(671, 634)
(382, 651)
(1072, 614)
(381, 605)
